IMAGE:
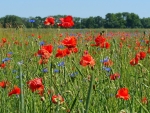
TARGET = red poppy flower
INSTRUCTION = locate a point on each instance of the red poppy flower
(57, 99)
(60, 35)
(123, 93)
(66, 22)
(73, 50)
(49, 48)
(3, 84)
(140, 55)
(138, 44)
(32, 35)
(35, 84)
(16, 42)
(147, 41)
(9, 55)
(39, 37)
(99, 40)
(70, 42)
(15, 90)
(108, 63)
(87, 59)
(49, 21)
(144, 100)
(148, 51)
(134, 61)
(4, 40)
(43, 61)
(105, 45)
(122, 39)
(62, 53)
(114, 76)
(120, 44)
(44, 54)
(41, 90)
(2, 65)
(26, 43)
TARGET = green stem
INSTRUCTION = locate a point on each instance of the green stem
(21, 95)
(89, 95)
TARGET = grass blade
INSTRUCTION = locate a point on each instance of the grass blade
(89, 95)
(73, 104)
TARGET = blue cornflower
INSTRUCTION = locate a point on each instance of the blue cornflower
(142, 42)
(98, 48)
(61, 64)
(80, 100)
(6, 59)
(105, 60)
(29, 36)
(14, 71)
(19, 76)
(56, 71)
(10, 53)
(107, 69)
(31, 21)
(45, 70)
(42, 43)
(72, 34)
(73, 74)
(60, 46)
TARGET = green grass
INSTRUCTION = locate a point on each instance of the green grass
(81, 94)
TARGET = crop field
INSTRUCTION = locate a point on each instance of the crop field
(74, 70)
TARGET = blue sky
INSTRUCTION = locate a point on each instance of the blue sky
(77, 8)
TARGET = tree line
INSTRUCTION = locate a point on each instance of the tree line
(111, 20)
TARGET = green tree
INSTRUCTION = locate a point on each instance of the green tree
(111, 21)
(99, 22)
(133, 21)
(77, 22)
(121, 22)
(2, 22)
(13, 20)
(145, 22)
(38, 22)
(90, 22)
(83, 22)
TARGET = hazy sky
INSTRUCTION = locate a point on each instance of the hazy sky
(77, 8)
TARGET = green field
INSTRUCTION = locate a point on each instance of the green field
(83, 88)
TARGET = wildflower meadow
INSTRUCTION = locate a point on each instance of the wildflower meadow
(65, 70)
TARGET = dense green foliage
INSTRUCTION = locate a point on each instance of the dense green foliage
(111, 20)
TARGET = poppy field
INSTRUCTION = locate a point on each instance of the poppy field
(69, 70)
